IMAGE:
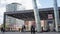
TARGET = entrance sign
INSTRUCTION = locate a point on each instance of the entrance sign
(50, 16)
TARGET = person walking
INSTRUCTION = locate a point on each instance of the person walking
(2, 30)
(32, 29)
(23, 28)
(19, 29)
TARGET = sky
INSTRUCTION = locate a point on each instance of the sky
(26, 3)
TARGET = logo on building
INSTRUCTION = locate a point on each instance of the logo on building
(50, 16)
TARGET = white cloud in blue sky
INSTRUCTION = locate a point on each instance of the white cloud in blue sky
(26, 3)
(46, 3)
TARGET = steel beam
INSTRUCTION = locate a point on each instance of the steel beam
(37, 17)
(56, 14)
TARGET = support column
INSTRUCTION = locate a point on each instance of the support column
(37, 18)
(56, 14)
(4, 22)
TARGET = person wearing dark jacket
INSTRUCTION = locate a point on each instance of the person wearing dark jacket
(32, 29)
(2, 29)
(23, 28)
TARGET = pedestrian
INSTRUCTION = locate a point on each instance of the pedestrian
(19, 29)
(32, 29)
(42, 29)
(2, 30)
(23, 28)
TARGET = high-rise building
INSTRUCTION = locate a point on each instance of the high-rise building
(10, 21)
(14, 7)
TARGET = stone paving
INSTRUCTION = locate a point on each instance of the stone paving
(29, 33)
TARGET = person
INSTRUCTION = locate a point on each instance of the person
(2, 29)
(48, 29)
(42, 29)
(23, 28)
(19, 29)
(32, 29)
(54, 29)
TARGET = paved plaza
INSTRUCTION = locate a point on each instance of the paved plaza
(29, 33)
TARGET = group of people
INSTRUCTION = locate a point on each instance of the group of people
(32, 29)
(2, 29)
(24, 29)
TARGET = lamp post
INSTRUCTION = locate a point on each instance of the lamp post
(37, 17)
(56, 14)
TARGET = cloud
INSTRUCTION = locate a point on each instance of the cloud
(10, 1)
(2, 5)
(38, 4)
(27, 4)
(2, 10)
(1, 20)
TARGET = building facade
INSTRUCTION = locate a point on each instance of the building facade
(11, 21)
(47, 18)
(14, 7)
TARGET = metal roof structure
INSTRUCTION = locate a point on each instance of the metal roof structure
(29, 14)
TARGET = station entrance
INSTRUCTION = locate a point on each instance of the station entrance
(47, 22)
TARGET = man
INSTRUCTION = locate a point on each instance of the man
(2, 30)
(23, 28)
(32, 29)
